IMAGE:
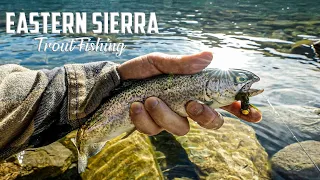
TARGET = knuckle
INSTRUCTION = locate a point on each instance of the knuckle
(195, 109)
(183, 131)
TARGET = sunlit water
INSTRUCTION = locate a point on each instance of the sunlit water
(255, 35)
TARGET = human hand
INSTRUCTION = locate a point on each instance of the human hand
(154, 115)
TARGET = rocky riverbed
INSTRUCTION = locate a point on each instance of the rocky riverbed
(232, 152)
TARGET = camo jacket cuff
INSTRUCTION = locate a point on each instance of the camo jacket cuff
(87, 85)
(39, 107)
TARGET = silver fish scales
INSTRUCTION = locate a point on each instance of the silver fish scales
(213, 87)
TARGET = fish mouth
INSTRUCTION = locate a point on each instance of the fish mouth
(246, 89)
(254, 92)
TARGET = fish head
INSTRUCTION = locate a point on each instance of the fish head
(244, 79)
(224, 86)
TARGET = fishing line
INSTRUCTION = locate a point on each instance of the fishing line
(277, 114)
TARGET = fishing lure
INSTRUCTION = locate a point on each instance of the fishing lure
(244, 98)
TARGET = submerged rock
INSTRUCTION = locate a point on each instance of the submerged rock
(232, 152)
(129, 158)
(316, 47)
(52, 161)
(47, 161)
(292, 163)
(303, 47)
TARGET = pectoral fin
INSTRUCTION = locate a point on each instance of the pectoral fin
(128, 133)
(95, 148)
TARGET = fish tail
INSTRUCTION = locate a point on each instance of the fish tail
(82, 162)
(82, 158)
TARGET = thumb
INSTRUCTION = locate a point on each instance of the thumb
(160, 63)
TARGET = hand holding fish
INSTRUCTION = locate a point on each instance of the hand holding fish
(154, 115)
(164, 102)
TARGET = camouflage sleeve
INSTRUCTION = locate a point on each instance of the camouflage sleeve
(39, 107)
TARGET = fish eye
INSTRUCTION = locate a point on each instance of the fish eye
(241, 78)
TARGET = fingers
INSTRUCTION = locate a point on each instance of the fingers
(166, 118)
(142, 121)
(235, 108)
(204, 115)
(155, 116)
(159, 63)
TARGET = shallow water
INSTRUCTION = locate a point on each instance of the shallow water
(254, 35)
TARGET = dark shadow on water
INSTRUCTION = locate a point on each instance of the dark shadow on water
(177, 163)
(69, 174)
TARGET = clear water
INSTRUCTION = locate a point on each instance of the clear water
(251, 34)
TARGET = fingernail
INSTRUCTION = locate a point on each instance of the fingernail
(136, 108)
(196, 109)
(154, 103)
(207, 56)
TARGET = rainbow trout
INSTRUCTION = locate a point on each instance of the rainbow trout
(213, 87)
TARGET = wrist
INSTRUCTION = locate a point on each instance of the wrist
(121, 72)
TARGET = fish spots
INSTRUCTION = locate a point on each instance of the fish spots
(113, 117)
